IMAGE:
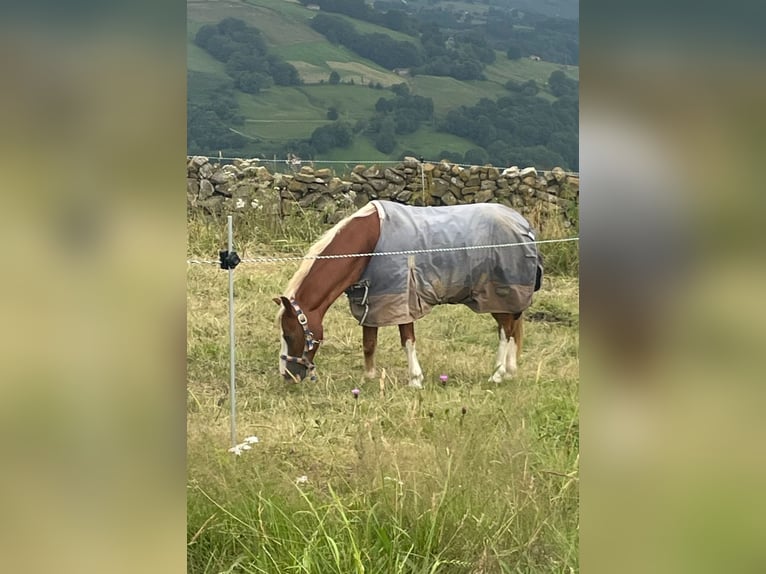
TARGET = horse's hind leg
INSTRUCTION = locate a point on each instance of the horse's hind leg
(510, 331)
(407, 335)
(369, 342)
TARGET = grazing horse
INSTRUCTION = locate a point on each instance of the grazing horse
(429, 256)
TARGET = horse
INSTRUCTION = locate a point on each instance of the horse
(480, 255)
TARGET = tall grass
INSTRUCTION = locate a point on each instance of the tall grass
(465, 477)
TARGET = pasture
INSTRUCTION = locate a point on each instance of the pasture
(465, 477)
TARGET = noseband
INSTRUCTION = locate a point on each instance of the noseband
(308, 344)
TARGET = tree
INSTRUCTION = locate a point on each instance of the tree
(385, 142)
(514, 51)
(476, 156)
(332, 114)
(334, 78)
(561, 85)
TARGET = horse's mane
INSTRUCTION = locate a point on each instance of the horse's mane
(320, 245)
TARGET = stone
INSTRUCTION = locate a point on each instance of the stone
(428, 167)
(295, 186)
(359, 168)
(324, 173)
(304, 177)
(488, 184)
(459, 191)
(510, 172)
(220, 177)
(554, 189)
(483, 196)
(379, 185)
(457, 181)
(361, 199)
(559, 174)
(309, 199)
(502, 183)
(192, 186)
(372, 172)
(411, 162)
(244, 190)
(223, 189)
(356, 187)
(473, 181)
(356, 178)
(529, 180)
(306, 170)
(369, 190)
(525, 189)
(206, 171)
(439, 187)
(493, 173)
(198, 161)
(263, 173)
(336, 185)
(392, 176)
(206, 188)
(457, 170)
(449, 199)
(528, 171)
(473, 189)
(403, 196)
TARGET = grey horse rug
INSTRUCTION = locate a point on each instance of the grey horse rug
(398, 289)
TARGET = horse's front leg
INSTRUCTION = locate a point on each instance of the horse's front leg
(509, 329)
(369, 343)
(407, 335)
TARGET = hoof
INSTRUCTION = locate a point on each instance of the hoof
(370, 374)
(416, 382)
(498, 376)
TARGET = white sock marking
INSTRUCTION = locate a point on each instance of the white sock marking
(416, 373)
(500, 362)
(510, 359)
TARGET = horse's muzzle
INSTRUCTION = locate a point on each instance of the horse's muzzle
(295, 372)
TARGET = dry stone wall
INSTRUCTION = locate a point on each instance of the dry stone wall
(247, 184)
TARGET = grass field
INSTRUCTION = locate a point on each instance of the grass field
(525, 69)
(469, 477)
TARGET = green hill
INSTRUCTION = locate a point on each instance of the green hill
(280, 114)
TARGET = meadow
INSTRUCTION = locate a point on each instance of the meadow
(461, 477)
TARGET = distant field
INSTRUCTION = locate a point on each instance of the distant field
(315, 52)
(199, 60)
(363, 74)
(428, 143)
(525, 69)
(367, 28)
(283, 113)
(449, 93)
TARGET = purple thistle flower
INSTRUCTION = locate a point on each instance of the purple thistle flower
(355, 392)
(443, 379)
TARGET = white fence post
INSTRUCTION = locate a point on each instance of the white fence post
(232, 372)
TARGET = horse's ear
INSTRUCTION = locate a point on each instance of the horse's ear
(285, 302)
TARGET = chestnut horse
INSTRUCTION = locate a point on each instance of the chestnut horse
(498, 280)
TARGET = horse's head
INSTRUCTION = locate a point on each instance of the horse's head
(299, 342)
